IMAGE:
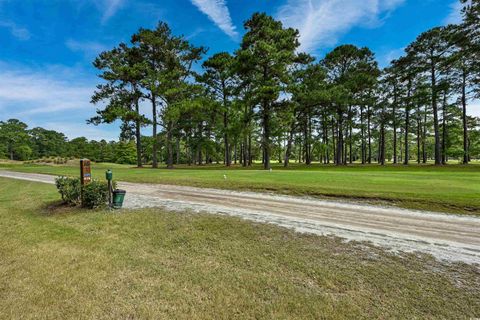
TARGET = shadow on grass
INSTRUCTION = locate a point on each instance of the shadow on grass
(58, 207)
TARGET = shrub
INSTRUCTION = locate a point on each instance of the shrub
(70, 189)
(95, 194)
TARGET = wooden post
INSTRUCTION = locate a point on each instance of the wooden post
(85, 175)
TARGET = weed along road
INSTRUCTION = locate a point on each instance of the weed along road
(445, 236)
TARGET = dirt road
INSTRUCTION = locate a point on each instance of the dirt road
(447, 237)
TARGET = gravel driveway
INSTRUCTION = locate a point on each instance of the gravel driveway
(447, 237)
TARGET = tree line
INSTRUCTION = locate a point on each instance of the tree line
(267, 101)
(18, 142)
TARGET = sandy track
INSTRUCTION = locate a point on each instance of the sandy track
(447, 237)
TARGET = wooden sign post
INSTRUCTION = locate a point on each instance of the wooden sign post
(85, 175)
(85, 172)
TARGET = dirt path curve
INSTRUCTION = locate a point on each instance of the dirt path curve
(447, 237)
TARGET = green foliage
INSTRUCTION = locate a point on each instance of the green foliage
(47, 143)
(125, 153)
(14, 136)
(70, 189)
(23, 152)
(267, 53)
(95, 194)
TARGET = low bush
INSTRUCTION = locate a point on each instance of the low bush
(95, 194)
(70, 189)
(60, 160)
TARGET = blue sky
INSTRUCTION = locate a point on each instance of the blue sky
(47, 46)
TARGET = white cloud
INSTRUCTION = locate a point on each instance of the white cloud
(110, 8)
(54, 97)
(455, 15)
(28, 92)
(75, 130)
(217, 11)
(322, 22)
(88, 48)
(195, 33)
(18, 32)
(387, 57)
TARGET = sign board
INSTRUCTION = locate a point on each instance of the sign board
(85, 171)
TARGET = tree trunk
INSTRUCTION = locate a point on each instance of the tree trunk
(198, 147)
(350, 155)
(334, 146)
(438, 150)
(466, 157)
(266, 135)
(424, 138)
(350, 125)
(241, 153)
(154, 134)
(395, 99)
(339, 153)
(300, 148)
(308, 141)
(208, 135)
(228, 160)
(325, 140)
(382, 140)
(362, 134)
(250, 149)
(280, 158)
(138, 135)
(407, 127)
(369, 133)
(444, 129)
(178, 151)
(400, 141)
(235, 152)
(407, 143)
(169, 145)
(288, 150)
(419, 126)
(188, 151)
(245, 151)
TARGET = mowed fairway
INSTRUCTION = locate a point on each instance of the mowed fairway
(58, 263)
(452, 188)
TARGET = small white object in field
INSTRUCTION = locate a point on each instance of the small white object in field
(225, 177)
(271, 169)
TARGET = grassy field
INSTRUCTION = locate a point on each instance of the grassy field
(452, 188)
(59, 263)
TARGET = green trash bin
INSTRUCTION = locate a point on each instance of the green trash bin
(118, 197)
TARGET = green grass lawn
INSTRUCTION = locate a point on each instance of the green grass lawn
(59, 263)
(452, 188)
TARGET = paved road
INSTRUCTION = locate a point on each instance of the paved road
(447, 237)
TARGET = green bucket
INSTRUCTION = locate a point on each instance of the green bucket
(118, 197)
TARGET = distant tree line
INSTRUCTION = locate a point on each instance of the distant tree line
(17, 142)
(267, 101)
